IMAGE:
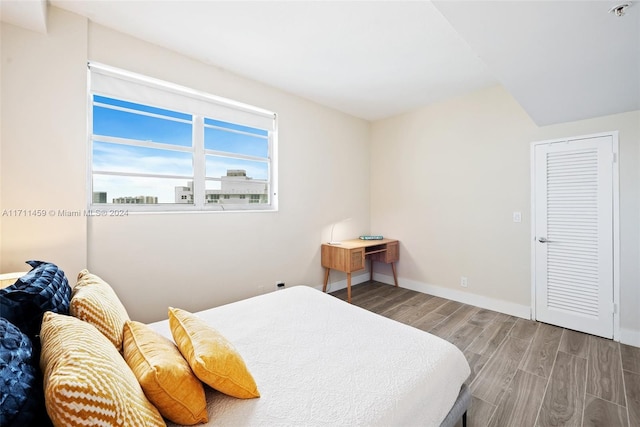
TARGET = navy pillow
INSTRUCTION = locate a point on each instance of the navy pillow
(21, 399)
(44, 288)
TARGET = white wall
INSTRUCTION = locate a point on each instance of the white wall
(189, 260)
(445, 180)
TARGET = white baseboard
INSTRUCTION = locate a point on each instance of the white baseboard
(488, 303)
(627, 336)
(630, 337)
(342, 284)
(501, 306)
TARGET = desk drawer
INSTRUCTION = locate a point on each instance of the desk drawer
(393, 252)
(357, 259)
(343, 259)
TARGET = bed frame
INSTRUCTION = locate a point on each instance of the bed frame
(459, 409)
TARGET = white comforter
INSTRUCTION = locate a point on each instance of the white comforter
(319, 361)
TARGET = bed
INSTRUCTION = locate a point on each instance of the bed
(320, 361)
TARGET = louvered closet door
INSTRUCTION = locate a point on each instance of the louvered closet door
(573, 183)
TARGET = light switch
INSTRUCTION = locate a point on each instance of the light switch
(517, 217)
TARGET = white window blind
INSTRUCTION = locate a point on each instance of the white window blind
(113, 82)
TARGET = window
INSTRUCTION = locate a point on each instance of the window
(163, 147)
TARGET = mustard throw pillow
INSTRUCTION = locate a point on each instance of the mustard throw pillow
(86, 380)
(94, 301)
(165, 377)
(212, 358)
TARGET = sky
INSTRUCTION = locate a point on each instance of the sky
(166, 127)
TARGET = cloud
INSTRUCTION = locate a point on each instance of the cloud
(128, 159)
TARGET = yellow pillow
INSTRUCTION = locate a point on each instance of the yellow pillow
(94, 301)
(86, 380)
(165, 377)
(212, 358)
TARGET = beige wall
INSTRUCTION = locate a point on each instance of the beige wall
(453, 174)
(1, 178)
(446, 179)
(44, 143)
(154, 260)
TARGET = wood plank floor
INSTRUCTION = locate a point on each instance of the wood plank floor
(523, 373)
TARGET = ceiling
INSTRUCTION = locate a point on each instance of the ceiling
(561, 60)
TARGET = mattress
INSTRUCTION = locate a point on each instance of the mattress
(319, 361)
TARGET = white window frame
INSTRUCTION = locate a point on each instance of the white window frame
(203, 105)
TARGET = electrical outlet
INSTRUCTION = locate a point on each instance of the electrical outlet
(463, 281)
(517, 217)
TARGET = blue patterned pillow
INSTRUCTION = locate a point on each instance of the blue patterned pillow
(44, 288)
(20, 396)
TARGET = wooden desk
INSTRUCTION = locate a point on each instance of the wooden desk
(349, 256)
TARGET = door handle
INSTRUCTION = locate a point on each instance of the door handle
(544, 240)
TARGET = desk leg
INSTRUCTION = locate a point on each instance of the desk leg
(371, 271)
(349, 288)
(326, 279)
(395, 276)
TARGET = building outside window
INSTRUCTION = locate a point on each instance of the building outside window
(235, 188)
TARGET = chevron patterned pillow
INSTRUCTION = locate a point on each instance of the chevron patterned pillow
(94, 301)
(86, 380)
